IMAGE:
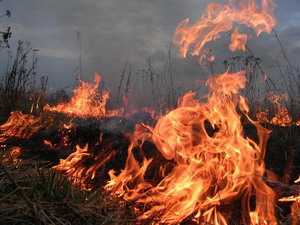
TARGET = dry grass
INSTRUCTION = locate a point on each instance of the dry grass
(38, 195)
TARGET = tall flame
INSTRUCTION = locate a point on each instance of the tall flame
(220, 18)
(213, 163)
(210, 170)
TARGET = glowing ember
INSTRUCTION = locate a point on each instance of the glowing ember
(220, 18)
(209, 171)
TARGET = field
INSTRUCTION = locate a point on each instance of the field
(149, 152)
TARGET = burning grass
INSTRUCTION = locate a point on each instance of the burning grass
(204, 162)
(57, 199)
(191, 166)
(136, 161)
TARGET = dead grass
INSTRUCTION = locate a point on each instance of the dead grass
(37, 195)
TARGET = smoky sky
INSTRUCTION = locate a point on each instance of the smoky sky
(113, 32)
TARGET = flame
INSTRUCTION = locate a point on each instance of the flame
(15, 151)
(211, 58)
(153, 113)
(220, 18)
(68, 126)
(13, 155)
(281, 117)
(86, 101)
(74, 167)
(210, 170)
(69, 164)
(295, 207)
(290, 199)
(238, 41)
(210, 163)
(262, 116)
(48, 143)
(150, 111)
(20, 125)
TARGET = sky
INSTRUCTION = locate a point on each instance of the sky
(113, 32)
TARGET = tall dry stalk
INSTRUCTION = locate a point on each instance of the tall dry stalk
(17, 78)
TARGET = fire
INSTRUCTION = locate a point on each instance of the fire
(13, 155)
(206, 163)
(48, 143)
(211, 58)
(220, 18)
(86, 101)
(238, 41)
(69, 164)
(153, 113)
(210, 170)
(295, 207)
(21, 125)
(74, 167)
(281, 117)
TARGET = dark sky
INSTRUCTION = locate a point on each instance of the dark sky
(115, 31)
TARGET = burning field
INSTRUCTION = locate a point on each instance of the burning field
(208, 160)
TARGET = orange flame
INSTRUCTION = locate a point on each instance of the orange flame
(74, 167)
(210, 170)
(214, 163)
(211, 58)
(48, 143)
(238, 41)
(295, 207)
(220, 18)
(281, 117)
(20, 125)
(86, 102)
(13, 155)
(69, 164)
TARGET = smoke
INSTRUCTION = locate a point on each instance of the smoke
(113, 32)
